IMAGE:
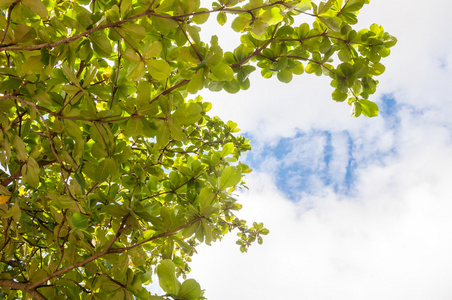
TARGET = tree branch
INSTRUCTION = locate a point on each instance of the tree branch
(122, 228)
(258, 51)
(105, 275)
(18, 173)
(158, 236)
(23, 287)
(8, 21)
(148, 12)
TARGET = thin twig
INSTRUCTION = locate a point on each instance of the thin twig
(107, 249)
(8, 21)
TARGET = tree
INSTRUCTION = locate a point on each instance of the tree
(111, 171)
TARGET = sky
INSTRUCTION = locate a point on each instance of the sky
(356, 208)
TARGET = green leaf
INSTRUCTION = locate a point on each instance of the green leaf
(369, 108)
(197, 82)
(378, 69)
(206, 197)
(70, 75)
(5, 4)
(37, 7)
(333, 23)
(105, 169)
(324, 6)
(389, 41)
(339, 96)
(175, 129)
(131, 55)
(24, 34)
(232, 86)
(189, 113)
(230, 177)
(10, 84)
(134, 127)
(241, 22)
(222, 72)
(19, 147)
(222, 18)
(311, 68)
(166, 271)
(81, 181)
(298, 69)
(101, 45)
(344, 55)
(190, 6)
(190, 290)
(159, 69)
(271, 16)
(201, 18)
(353, 5)
(32, 65)
(356, 109)
(135, 31)
(285, 76)
(151, 50)
(72, 129)
(80, 221)
(227, 149)
(303, 5)
(43, 97)
(30, 172)
(114, 210)
(136, 71)
(163, 133)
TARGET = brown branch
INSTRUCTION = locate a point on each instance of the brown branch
(158, 236)
(150, 5)
(105, 275)
(74, 37)
(311, 60)
(76, 283)
(7, 236)
(103, 140)
(167, 91)
(107, 249)
(258, 51)
(8, 21)
(49, 135)
(18, 173)
(191, 44)
(115, 84)
(57, 238)
(86, 33)
(233, 10)
(128, 43)
(325, 35)
(23, 287)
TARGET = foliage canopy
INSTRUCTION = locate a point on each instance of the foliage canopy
(110, 172)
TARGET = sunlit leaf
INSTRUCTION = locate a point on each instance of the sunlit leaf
(37, 7)
(230, 177)
(167, 278)
(80, 221)
(4, 199)
(190, 290)
(101, 44)
(159, 69)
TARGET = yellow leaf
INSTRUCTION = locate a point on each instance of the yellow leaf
(4, 199)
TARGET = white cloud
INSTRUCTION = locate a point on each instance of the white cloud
(391, 237)
(392, 240)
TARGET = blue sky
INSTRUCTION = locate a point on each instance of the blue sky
(357, 208)
(327, 157)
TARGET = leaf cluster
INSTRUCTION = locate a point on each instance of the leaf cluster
(111, 171)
